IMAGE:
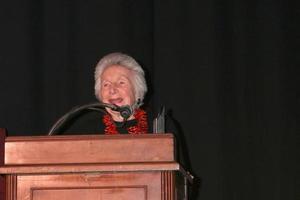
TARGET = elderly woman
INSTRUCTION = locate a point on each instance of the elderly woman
(119, 80)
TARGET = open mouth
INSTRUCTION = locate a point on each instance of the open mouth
(116, 101)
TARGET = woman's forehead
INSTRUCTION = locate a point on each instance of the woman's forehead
(116, 71)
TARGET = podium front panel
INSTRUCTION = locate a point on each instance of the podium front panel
(95, 186)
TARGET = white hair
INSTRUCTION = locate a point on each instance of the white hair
(139, 82)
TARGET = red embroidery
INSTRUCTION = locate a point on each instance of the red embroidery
(140, 128)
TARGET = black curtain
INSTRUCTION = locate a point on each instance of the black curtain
(226, 71)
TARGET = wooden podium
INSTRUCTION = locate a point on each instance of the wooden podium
(89, 167)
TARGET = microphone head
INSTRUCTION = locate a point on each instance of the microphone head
(125, 111)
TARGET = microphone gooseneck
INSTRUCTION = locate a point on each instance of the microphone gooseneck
(125, 112)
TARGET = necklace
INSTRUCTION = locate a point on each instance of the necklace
(140, 128)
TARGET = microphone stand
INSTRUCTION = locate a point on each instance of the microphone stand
(69, 115)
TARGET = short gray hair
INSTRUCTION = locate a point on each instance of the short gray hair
(139, 82)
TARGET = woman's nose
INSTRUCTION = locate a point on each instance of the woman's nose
(112, 89)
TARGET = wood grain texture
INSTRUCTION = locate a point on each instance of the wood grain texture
(89, 149)
(112, 186)
(122, 167)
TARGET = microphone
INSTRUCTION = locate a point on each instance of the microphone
(125, 111)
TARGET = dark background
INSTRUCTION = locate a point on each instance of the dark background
(227, 71)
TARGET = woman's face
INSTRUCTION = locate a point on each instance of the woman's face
(116, 86)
